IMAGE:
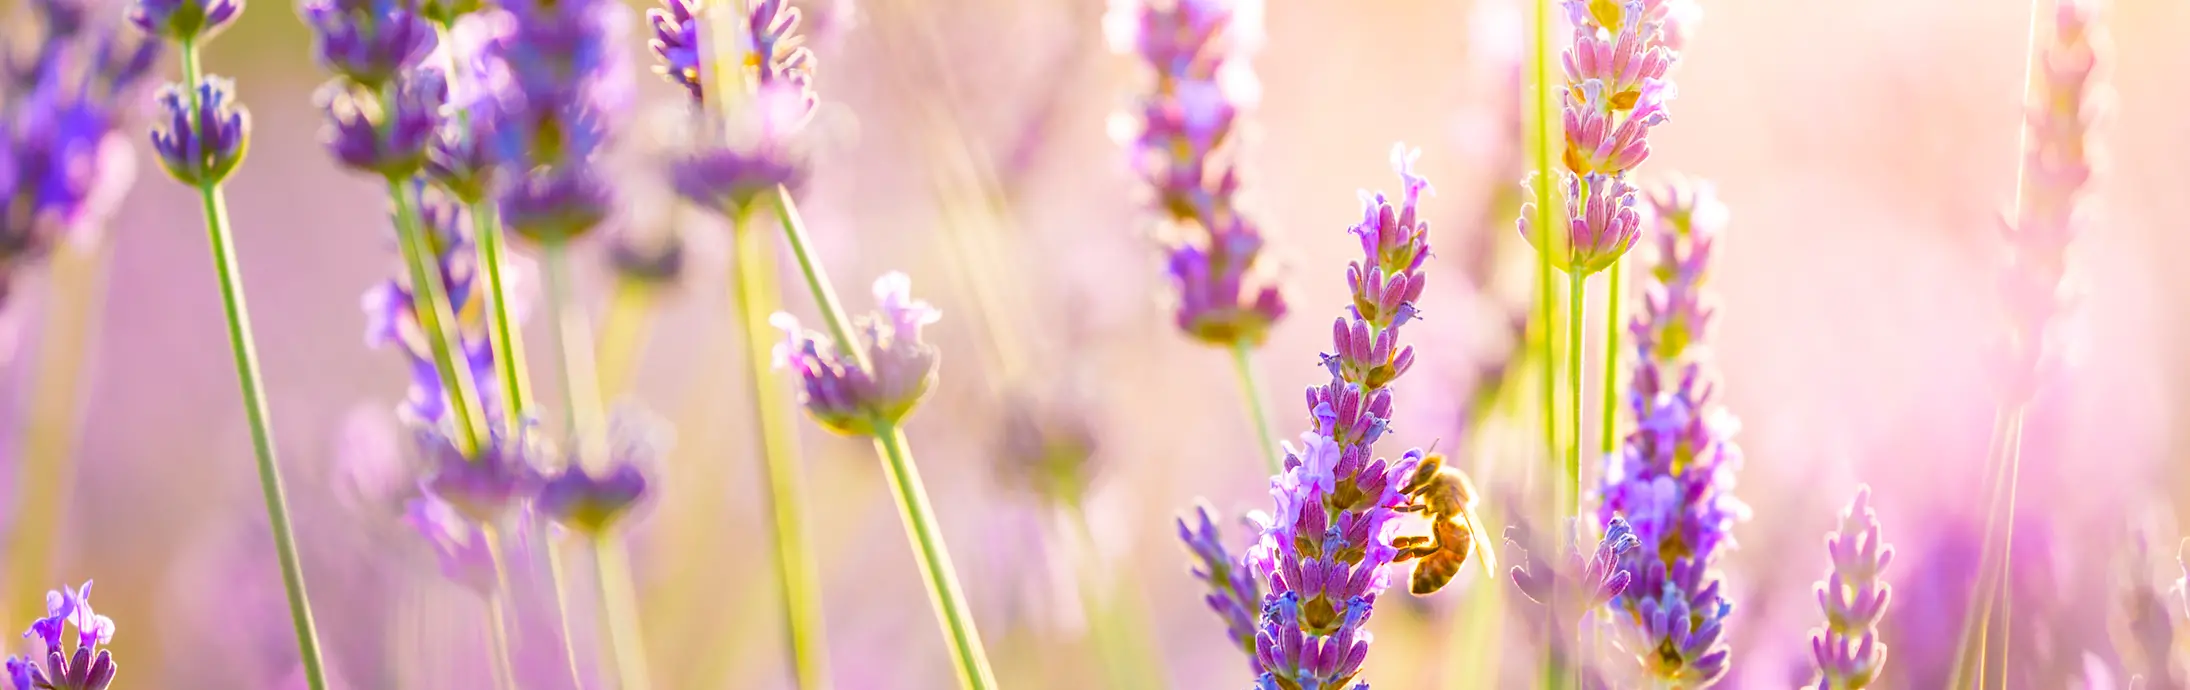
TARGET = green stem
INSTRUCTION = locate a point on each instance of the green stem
(624, 331)
(753, 297)
(221, 242)
(1540, 117)
(620, 619)
(817, 279)
(509, 354)
(1107, 615)
(505, 673)
(1973, 641)
(1576, 283)
(50, 426)
(1613, 299)
(436, 320)
(2014, 459)
(1249, 383)
(935, 564)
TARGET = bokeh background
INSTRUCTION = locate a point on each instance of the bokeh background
(1864, 148)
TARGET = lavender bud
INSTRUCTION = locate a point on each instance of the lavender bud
(1234, 595)
(593, 503)
(206, 152)
(370, 135)
(854, 401)
(648, 257)
(184, 21)
(1854, 598)
(486, 486)
(556, 204)
(1602, 223)
(368, 41)
(86, 668)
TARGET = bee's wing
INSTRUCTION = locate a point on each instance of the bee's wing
(1483, 554)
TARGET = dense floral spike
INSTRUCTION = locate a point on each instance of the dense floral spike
(763, 149)
(567, 89)
(1617, 72)
(591, 502)
(184, 21)
(87, 667)
(63, 162)
(368, 41)
(391, 318)
(2057, 167)
(854, 401)
(203, 147)
(1181, 140)
(1673, 476)
(368, 134)
(1234, 594)
(1325, 552)
(1854, 598)
(1580, 582)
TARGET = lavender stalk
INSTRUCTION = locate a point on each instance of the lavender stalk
(1854, 599)
(2061, 94)
(200, 143)
(1182, 146)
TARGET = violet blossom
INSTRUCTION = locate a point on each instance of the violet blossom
(856, 400)
(86, 666)
(1854, 599)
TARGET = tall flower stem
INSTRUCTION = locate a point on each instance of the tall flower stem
(221, 243)
(1542, 117)
(817, 278)
(436, 320)
(505, 673)
(66, 339)
(1577, 282)
(1250, 387)
(625, 656)
(1974, 644)
(967, 654)
(753, 297)
(624, 330)
(1611, 415)
(509, 355)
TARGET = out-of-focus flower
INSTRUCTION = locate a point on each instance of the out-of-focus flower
(460, 545)
(1234, 594)
(1854, 598)
(1673, 476)
(206, 153)
(755, 146)
(1048, 444)
(1325, 552)
(1582, 580)
(852, 400)
(593, 502)
(1180, 142)
(87, 667)
(2058, 170)
(649, 256)
(489, 484)
(566, 92)
(184, 21)
(368, 41)
(368, 134)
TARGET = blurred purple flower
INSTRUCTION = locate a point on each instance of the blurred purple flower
(488, 485)
(839, 393)
(1180, 140)
(368, 41)
(184, 20)
(2058, 169)
(762, 149)
(1584, 578)
(567, 90)
(86, 668)
(593, 502)
(459, 544)
(1854, 598)
(366, 133)
(676, 45)
(390, 317)
(207, 152)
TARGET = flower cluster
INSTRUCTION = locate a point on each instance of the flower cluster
(384, 104)
(1181, 143)
(87, 667)
(749, 146)
(1673, 476)
(63, 162)
(1854, 599)
(2058, 167)
(1324, 554)
(1617, 70)
(855, 399)
(567, 87)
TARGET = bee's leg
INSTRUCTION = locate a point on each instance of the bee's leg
(1411, 508)
(1417, 547)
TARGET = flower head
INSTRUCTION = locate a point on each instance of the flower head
(460, 545)
(369, 134)
(203, 135)
(566, 90)
(853, 399)
(1854, 599)
(87, 667)
(2036, 285)
(1583, 579)
(368, 41)
(593, 501)
(488, 484)
(183, 20)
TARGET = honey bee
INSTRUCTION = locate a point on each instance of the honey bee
(1446, 496)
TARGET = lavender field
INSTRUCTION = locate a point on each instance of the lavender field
(578, 344)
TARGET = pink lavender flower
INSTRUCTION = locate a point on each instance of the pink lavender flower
(762, 151)
(1617, 85)
(1180, 137)
(1324, 553)
(854, 400)
(1673, 476)
(2058, 168)
(1854, 599)
(1581, 580)
(86, 668)
(1234, 594)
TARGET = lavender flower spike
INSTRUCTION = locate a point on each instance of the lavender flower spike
(87, 667)
(850, 399)
(568, 87)
(207, 152)
(1673, 476)
(1180, 140)
(184, 21)
(1583, 581)
(763, 151)
(1324, 553)
(1854, 599)
(2058, 169)
(592, 503)
(1234, 594)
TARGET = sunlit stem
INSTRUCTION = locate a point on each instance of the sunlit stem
(619, 618)
(505, 673)
(1577, 282)
(1614, 299)
(436, 319)
(1541, 118)
(624, 331)
(817, 279)
(753, 297)
(1243, 363)
(967, 654)
(221, 242)
(66, 339)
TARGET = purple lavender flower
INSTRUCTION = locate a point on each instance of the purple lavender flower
(88, 667)
(489, 484)
(676, 45)
(368, 41)
(204, 154)
(1616, 70)
(852, 400)
(2058, 169)
(391, 317)
(1673, 476)
(460, 545)
(592, 503)
(1234, 594)
(763, 150)
(184, 21)
(368, 134)
(1854, 599)
(566, 90)
(1181, 145)
(1324, 553)
(653, 257)
(1583, 581)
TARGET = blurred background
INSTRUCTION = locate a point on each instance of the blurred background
(1864, 148)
